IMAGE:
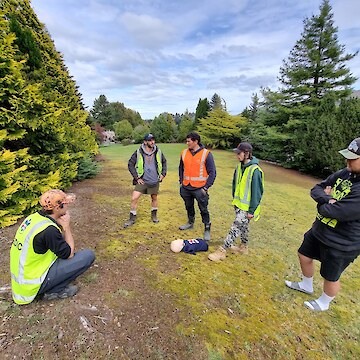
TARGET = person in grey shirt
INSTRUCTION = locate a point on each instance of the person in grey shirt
(148, 168)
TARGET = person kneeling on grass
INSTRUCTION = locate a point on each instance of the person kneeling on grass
(247, 189)
(42, 257)
(334, 238)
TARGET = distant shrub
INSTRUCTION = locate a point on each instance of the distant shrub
(88, 168)
(127, 142)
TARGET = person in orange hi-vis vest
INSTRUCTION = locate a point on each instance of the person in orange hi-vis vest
(197, 173)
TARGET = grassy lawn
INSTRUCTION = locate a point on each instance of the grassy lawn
(240, 307)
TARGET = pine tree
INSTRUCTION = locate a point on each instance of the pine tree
(315, 68)
(216, 102)
(317, 63)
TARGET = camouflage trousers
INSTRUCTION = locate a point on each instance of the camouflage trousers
(240, 227)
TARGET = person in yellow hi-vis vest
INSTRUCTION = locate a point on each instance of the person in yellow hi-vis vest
(334, 238)
(148, 167)
(43, 260)
(248, 188)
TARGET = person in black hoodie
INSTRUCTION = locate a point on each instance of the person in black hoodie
(334, 238)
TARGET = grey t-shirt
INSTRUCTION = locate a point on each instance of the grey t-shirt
(151, 176)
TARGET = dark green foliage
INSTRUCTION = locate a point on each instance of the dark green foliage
(108, 113)
(202, 110)
(164, 128)
(316, 64)
(185, 127)
(293, 124)
(88, 168)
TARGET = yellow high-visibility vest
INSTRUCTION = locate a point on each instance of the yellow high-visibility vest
(242, 195)
(28, 269)
(139, 166)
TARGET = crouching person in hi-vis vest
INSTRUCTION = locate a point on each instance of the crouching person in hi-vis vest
(42, 257)
(248, 188)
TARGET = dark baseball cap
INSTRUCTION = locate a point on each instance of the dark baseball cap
(149, 137)
(243, 146)
(353, 150)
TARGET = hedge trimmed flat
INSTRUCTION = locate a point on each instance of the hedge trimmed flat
(313, 305)
(295, 286)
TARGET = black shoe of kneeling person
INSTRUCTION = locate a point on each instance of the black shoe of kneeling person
(70, 290)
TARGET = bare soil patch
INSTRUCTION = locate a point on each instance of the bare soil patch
(118, 313)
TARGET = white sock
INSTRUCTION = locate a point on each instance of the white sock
(324, 301)
(153, 208)
(133, 212)
(307, 283)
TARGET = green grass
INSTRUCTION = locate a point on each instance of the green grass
(240, 308)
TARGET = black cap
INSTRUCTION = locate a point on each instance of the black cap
(243, 146)
(149, 137)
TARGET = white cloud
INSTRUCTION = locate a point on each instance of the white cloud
(164, 55)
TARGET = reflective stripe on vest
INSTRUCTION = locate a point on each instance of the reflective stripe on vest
(139, 166)
(189, 169)
(242, 195)
(29, 269)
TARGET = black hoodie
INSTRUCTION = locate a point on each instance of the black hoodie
(345, 235)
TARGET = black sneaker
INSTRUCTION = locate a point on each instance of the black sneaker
(69, 291)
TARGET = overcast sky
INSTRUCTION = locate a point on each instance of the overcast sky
(163, 55)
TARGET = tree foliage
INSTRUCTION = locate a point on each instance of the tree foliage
(42, 122)
(202, 110)
(220, 129)
(164, 128)
(123, 129)
(291, 123)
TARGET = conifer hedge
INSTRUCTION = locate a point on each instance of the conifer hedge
(43, 130)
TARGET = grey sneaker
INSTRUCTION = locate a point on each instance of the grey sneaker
(69, 291)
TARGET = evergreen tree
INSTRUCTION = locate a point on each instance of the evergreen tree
(319, 146)
(100, 112)
(44, 120)
(202, 110)
(317, 63)
(315, 68)
(220, 129)
(216, 102)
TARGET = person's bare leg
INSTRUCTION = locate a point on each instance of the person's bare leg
(134, 200)
(307, 269)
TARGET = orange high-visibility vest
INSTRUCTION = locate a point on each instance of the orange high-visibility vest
(195, 172)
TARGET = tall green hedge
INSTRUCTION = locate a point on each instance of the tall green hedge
(43, 130)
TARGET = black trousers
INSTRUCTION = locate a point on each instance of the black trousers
(202, 199)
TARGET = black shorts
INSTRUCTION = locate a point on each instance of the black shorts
(333, 261)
